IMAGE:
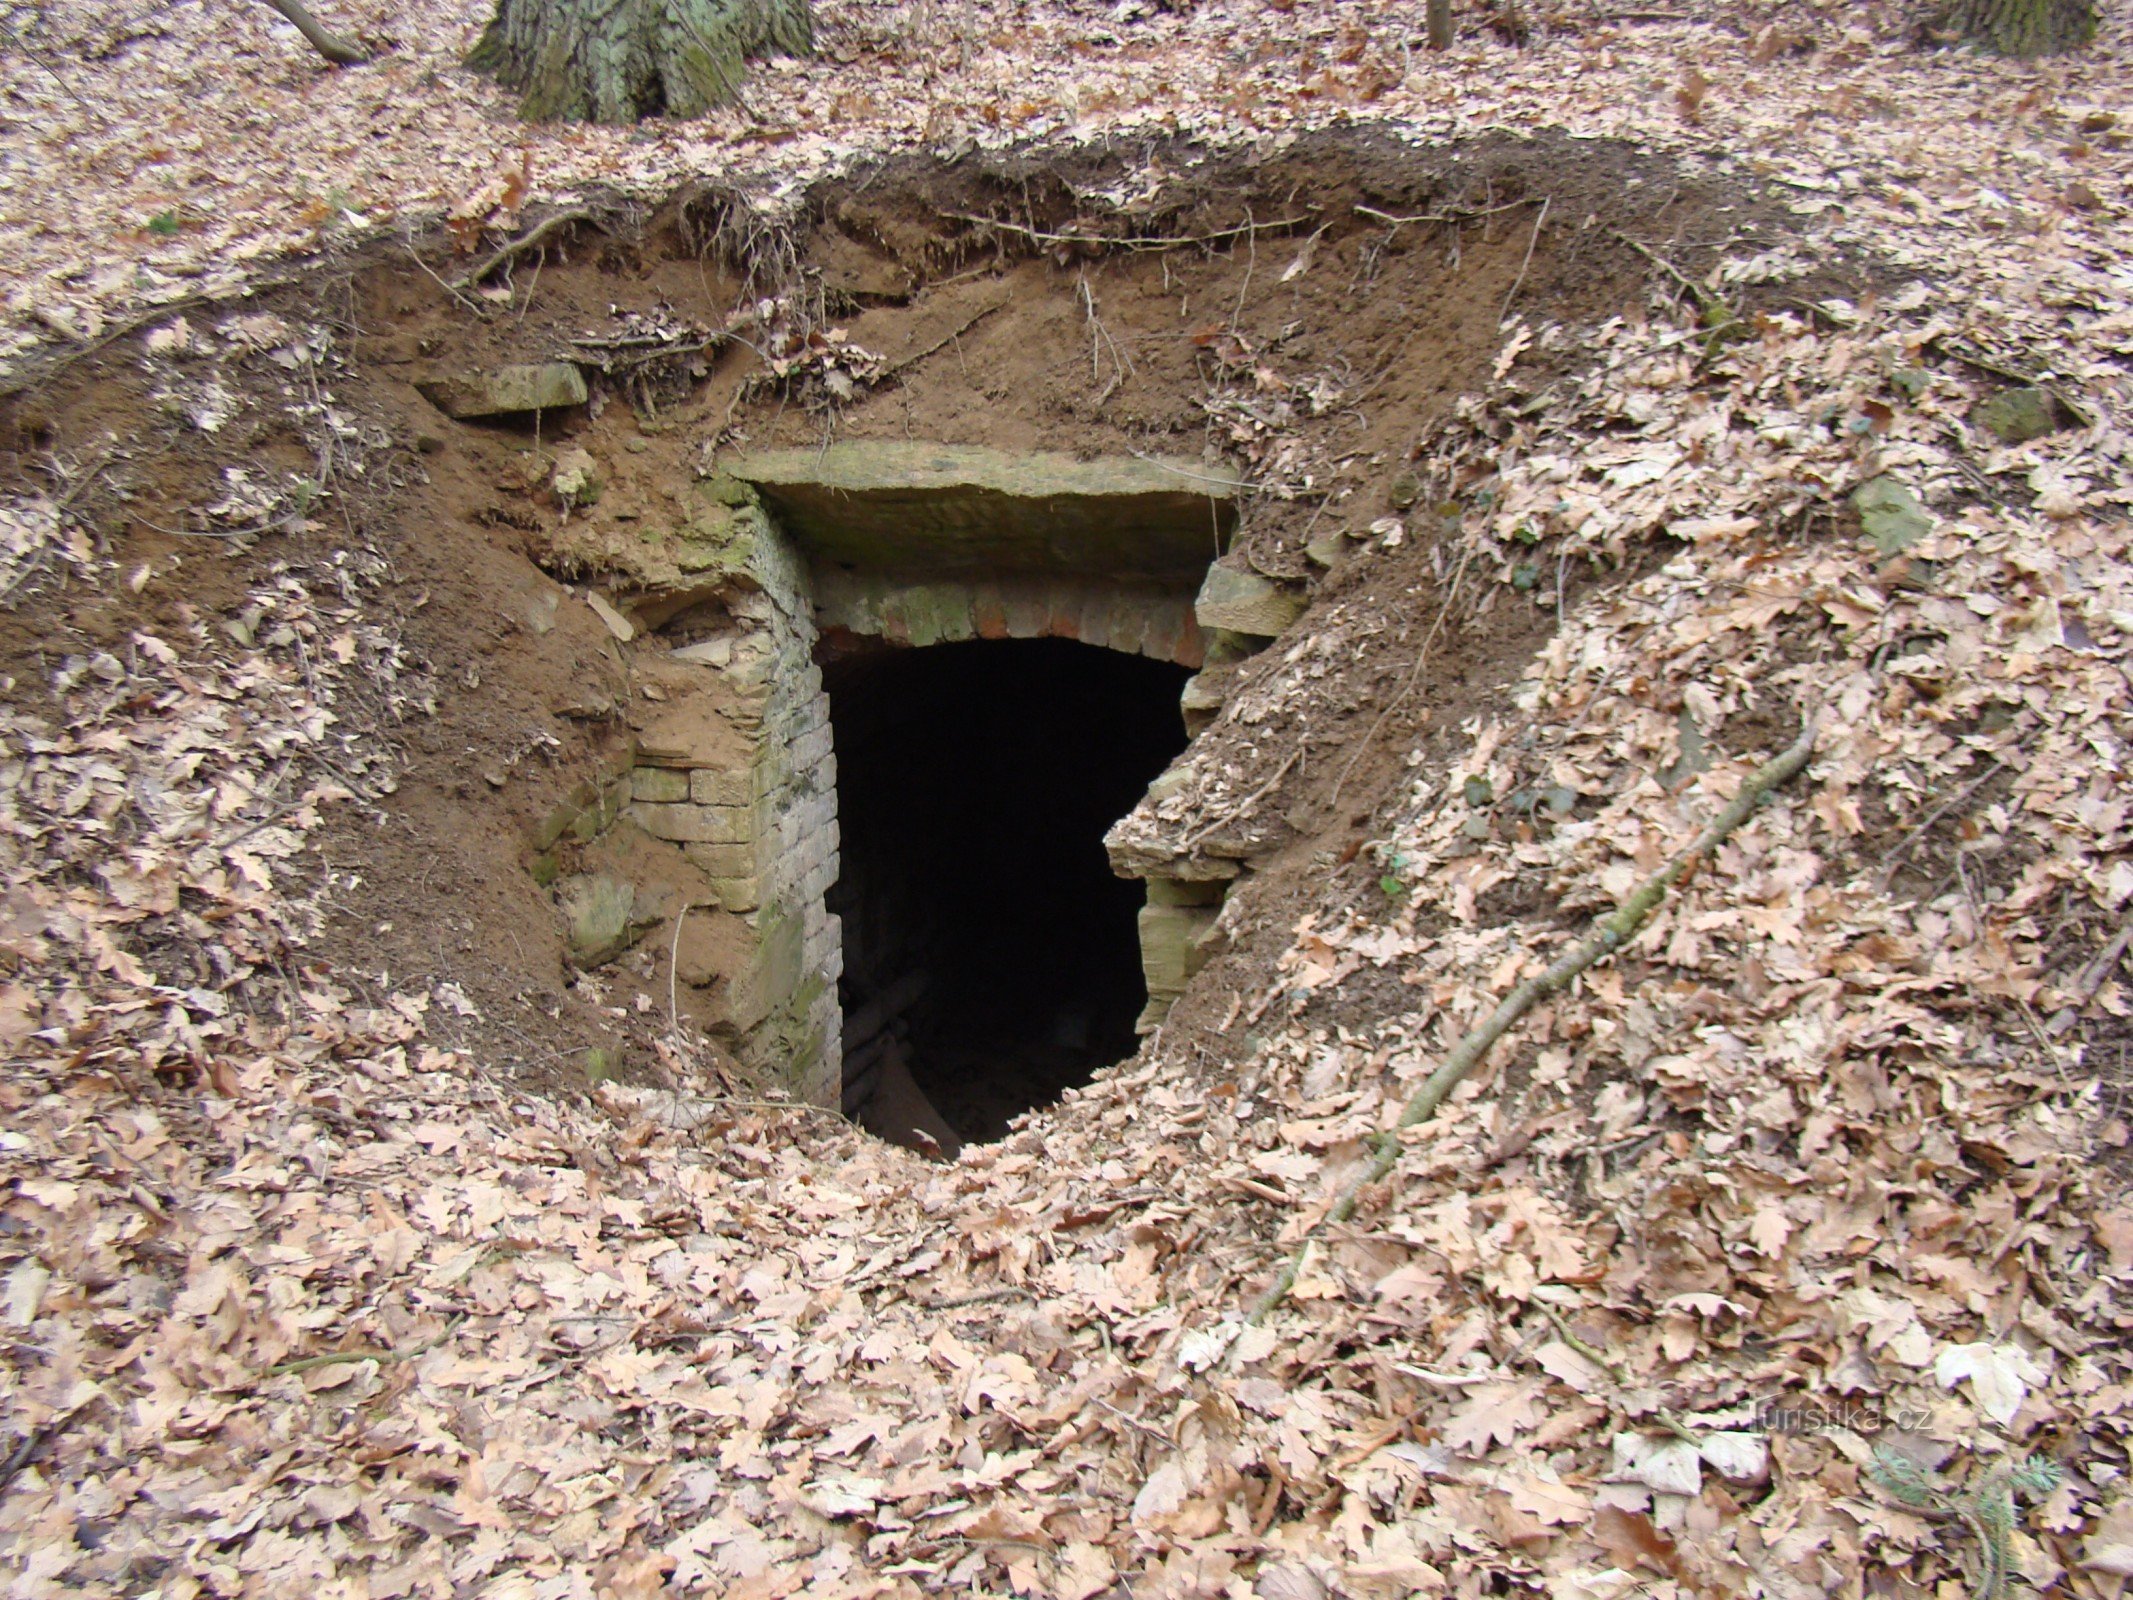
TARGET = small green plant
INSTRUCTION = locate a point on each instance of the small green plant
(1392, 885)
(1986, 1508)
(166, 224)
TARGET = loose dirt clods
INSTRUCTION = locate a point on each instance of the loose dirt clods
(412, 1196)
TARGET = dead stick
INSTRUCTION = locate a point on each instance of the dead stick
(341, 52)
(1996, 369)
(1392, 219)
(1128, 242)
(1613, 932)
(382, 1357)
(1519, 282)
(1237, 811)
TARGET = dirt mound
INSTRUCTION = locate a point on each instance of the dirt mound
(365, 767)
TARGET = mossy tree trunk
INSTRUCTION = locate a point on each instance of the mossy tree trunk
(2023, 27)
(619, 60)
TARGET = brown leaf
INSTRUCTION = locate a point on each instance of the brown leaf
(1631, 1539)
(1689, 95)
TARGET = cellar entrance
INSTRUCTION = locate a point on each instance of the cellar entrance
(990, 956)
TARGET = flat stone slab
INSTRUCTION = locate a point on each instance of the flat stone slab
(507, 391)
(940, 510)
(1244, 602)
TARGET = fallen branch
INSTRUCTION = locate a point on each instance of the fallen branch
(382, 1357)
(2090, 979)
(341, 52)
(526, 241)
(1613, 932)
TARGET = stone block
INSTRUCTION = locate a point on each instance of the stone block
(1095, 627)
(811, 747)
(659, 785)
(988, 613)
(506, 391)
(1028, 614)
(600, 917)
(1180, 892)
(1244, 602)
(768, 983)
(694, 824)
(588, 811)
(738, 894)
(956, 510)
(1191, 648)
(1200, 701)
(1154, 1014)
(722, 860)
(708, 787)
(1165, 628)
(1170, 939)
(1126, 625)
(934, 613)
(818, 879)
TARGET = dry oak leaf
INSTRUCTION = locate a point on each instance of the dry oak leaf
(1495, 1413)
(2109, 1546)
(2000, 1376)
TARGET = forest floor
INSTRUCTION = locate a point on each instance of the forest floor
(1783, 1255)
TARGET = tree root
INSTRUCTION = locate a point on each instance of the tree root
(524, 242)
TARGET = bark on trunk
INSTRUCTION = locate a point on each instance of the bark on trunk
(2023, 27)
(341, 52)
(1439, 16)
(619, 60)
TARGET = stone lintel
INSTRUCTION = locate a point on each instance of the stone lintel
(962, 510)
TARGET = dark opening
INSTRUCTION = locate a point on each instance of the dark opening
(989, 953)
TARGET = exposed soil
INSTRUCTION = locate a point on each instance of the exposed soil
(1272, 308)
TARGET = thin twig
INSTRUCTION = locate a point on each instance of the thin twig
(1421, 662)
(1041, 237)
(2090, 978)
(945, 339)
(1519, 282)
(473, 306)
(382, 1357)
(1245, 805)
(1391, 219)
(1612, 932)
(20, 1456)
(1903, 846)
(1694, 288)
(1995, 369)
(1233, 485)
(1589, 1352)
(88, 476)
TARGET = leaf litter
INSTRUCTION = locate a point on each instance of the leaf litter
(1831, 1159)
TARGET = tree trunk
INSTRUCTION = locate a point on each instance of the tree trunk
(2023, 27)
(1439, 16)
(341, 52)
(619, 60)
